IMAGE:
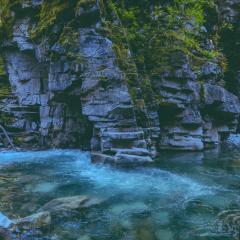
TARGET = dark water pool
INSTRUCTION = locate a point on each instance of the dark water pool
(179, 198)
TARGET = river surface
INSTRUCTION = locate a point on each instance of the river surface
(178, 198)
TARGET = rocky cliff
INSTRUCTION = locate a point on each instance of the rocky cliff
(123, 79)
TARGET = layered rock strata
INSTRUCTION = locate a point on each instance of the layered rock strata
(85, 101)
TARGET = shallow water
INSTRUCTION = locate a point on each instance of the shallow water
(178, 198)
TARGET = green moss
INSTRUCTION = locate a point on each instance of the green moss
(18, 140)
(6, 118)
(49, 13)
(149, 39)
(6, 18)
(60, 11)
(4, 91)
(85, 3)
(154, 35)
(146, 36)
(2, 68)
(65, 15)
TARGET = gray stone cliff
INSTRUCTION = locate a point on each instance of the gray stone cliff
(56, 101)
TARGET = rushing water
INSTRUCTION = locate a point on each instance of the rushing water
(179, 198)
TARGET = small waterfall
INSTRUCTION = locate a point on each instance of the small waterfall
(7, 137)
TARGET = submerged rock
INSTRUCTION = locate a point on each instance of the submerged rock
(67, 205)
(38, 220)
(5, 234)
(85, 237)
(44, 187)
(127, 209)
(164, 234)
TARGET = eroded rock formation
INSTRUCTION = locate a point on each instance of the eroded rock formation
(73, 92)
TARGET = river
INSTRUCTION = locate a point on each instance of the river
(178, 198)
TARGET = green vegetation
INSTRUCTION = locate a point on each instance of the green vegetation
(155, 33)
(4, 87)
(49, 13)
(4, 91)
(6, 18)
(64, 13)
(2, 68)
(60, 11)
(150, 38)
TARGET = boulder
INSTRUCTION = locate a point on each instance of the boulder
(222, 100)
(132, 159)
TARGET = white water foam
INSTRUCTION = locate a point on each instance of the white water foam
(141, 181)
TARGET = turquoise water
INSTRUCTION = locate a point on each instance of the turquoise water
(178, 198)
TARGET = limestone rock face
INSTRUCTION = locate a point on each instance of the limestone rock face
(110, 107)
(78, 94)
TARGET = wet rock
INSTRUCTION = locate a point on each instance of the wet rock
(67, 205)
(132, 159)
(5, 234)
(125, 209)
(102, 158)
(39, 220)
(221, 99)
(29, 139)
(181, 138)
(132, 151)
